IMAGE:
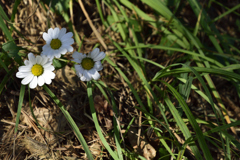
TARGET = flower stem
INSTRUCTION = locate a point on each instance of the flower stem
(65, 60)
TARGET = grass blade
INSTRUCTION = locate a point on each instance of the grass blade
(14, 10)
(94, 116)
(21, 96)
(116, 126)
(192, 120)
(226, 13)
(71, 121)
(3, 25)
(183, 127)
(143, 109)
(5, 79)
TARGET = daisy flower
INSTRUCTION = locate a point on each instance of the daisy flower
(88, 65)
(58, 42)
(37, 71)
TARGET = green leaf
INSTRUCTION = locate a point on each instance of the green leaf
(59, 64)
(11, 48)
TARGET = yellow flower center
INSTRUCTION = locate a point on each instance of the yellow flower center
(37, 70)
(55, 44)
(87, 63)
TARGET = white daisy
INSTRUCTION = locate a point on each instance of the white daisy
(37, 71)
(88, 65)
(58, 42)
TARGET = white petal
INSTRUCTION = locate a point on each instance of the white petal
(94, 73)
(47, 55)
(61, 33)
(62, 51)
(57, 54)
(25, 68)
(47, 38)
(50, 32)
(98, 66)
(34, 82)
(47, 80)
(46, 47)
(38, 59)
(55, 32)
(83, 78)
(79, 70)
(51, 56)
(48, 74)
(67, 44)
(99, 57)
(66, 36)
(49, 63)
(94, 53)
(67, 41)
(77, 55)
(40, 80)
(77, 61)
(44, 53)
(87, 75)
(31, 58)
(22, 74)
(44, 60)
(48, 52)
(26, 62)
(70, 49)
(49, 68)
(27, 79)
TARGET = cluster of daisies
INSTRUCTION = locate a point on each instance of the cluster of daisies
(38, 70)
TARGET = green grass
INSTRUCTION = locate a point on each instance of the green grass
(202, 61)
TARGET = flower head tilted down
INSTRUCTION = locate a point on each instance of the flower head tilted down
(36, 71)
(88, 65)
(58, 42)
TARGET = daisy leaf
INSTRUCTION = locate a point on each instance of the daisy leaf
(59, 64)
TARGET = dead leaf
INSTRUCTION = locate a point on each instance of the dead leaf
(52, 120)
(104, 111)
(34, 146)
(145, 148)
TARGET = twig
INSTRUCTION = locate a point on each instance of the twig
(92, 26)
